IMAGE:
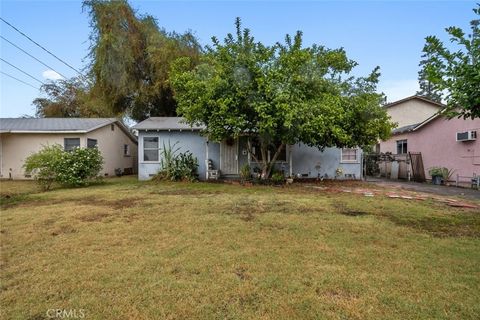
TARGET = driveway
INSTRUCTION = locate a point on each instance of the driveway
(428, 188)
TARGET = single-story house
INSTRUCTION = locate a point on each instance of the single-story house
(442, 143)
(230, 155)
(20, 137)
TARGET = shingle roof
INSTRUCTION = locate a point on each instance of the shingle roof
(405, 129)
(53, 124)
(165, 123)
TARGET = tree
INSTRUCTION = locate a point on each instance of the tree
(427, 88)
(456, 71)
(279, 95)
(65, 99)
(130, 59)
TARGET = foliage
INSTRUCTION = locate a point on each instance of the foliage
(79, 167)
(456, 71)
(428, 89)
(245, 172)
(75, 168)
(44, 164)
(130, 59)
(67, 99)
(279, 95)
(277, 177)
(176, 166)
(443, 172)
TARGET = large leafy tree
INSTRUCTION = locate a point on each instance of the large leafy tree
(427, 88)
(279, 95)
(130, 59)
(65, 99)
(456, 71)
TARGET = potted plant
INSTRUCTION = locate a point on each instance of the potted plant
(440, 175)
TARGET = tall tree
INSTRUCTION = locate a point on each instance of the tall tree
(279, 96)
(66, 99)
(427, 88)
(130, 59)
(456, 71)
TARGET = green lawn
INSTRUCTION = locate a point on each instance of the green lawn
(132, 250)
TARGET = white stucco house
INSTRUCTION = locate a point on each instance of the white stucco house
(20, 137)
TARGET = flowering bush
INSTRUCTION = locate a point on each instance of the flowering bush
(79, 166)
(74, 168)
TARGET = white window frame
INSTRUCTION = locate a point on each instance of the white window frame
(403, 141)
(158, 149)
(126, 150)
(357, 158)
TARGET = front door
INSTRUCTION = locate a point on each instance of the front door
(229, 156)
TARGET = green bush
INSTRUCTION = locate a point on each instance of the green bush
(278, 177)
(177, 166)
(443, 172)
(245, 173)
(78, 167)
(43, 165)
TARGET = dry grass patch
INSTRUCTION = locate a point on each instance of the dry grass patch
(213, 251)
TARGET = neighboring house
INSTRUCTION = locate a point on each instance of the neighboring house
(412, 110)
(230, 155)
(20, 137)
(443, 143)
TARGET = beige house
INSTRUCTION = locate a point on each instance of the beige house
(21, 137)
(412, 110)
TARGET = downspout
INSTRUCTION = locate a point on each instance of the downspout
(206, 160)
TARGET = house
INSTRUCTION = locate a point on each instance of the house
(20, 137)
(412, 110)
(230, 155)
(431, 138)
(445, 143)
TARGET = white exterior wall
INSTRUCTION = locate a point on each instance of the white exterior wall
(16, 147)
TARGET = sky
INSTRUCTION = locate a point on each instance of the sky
(389, 34)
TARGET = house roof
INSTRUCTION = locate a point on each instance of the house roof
(165, 124)
(391, 104)
(415, 127)
(59, 125)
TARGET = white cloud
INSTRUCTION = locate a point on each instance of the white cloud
(51, 75)
(398, 89)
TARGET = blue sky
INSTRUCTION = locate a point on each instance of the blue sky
(389, 34)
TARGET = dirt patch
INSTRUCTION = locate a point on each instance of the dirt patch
(94, 217)
(65, 229)
(114, 204)
(183, 192)
(336, 294)
(343, 209)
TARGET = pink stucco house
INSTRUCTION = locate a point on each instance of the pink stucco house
(443, 143)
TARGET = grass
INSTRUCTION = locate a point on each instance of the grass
(133, 250)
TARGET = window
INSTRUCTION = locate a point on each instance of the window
(282, 157)
(349, 155)
(126, 150)
(150, 148)
(70, 143)
(401, 146)
(91, 143)
(112, 127)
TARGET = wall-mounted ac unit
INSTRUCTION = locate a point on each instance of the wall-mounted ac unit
(467, 136)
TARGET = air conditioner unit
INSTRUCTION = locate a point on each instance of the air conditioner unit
(467, 136)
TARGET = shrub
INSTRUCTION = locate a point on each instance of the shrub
(175, 166)
(443, 172)
(75, 168)
(43, 165)
(278, 177)
(79, 167)
(245, 173)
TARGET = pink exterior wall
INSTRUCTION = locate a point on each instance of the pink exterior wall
(437, 143)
